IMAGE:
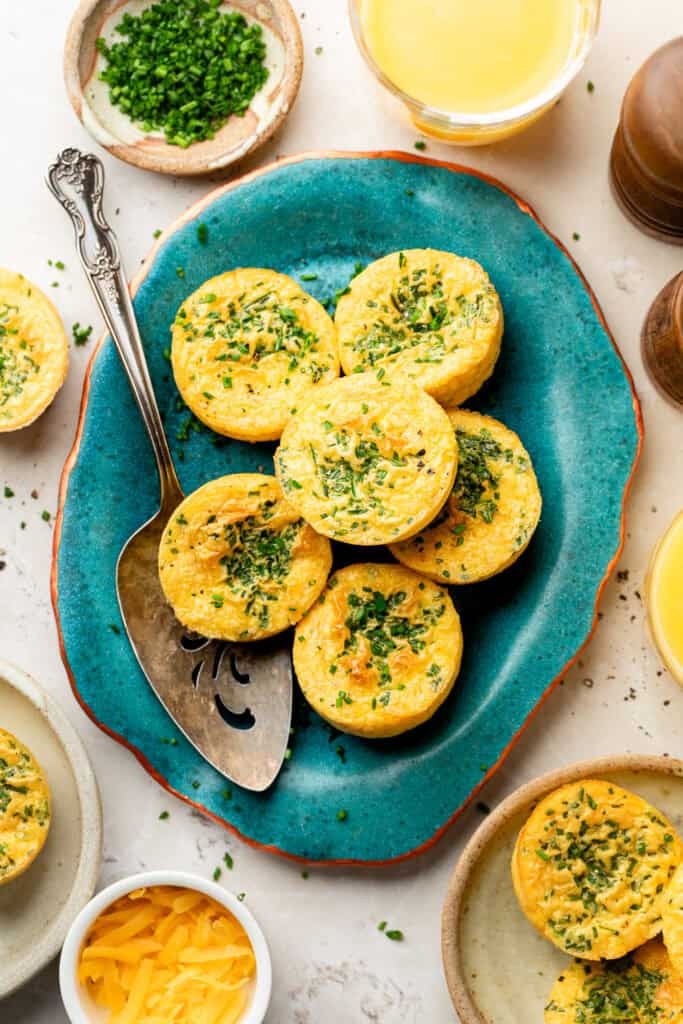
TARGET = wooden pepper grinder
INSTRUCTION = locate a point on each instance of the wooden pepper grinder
(646, 172)
(662, 340)
(647, 153)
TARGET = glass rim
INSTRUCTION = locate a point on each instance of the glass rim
(499, 118)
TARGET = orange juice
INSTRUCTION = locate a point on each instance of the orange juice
(665, 597)
(471, 56)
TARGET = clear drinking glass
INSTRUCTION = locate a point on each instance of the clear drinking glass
(479, 129)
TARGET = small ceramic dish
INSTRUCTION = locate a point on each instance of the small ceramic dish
(499, 969)
(78, 1004)
(238, 137)
(37, 908)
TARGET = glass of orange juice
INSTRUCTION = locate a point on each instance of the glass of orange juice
(472, 72)
(664, 597)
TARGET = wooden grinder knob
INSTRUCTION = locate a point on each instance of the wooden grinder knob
(662, 340)
(647, 153)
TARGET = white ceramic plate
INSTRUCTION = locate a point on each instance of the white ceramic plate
(37, 909)
(499, 969)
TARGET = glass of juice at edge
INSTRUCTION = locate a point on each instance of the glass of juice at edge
(472, 72)
(664, 597)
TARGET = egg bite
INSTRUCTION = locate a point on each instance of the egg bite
(379, 651)
(237, 562)
(367, 461)
(25, 810)
(423, 315)
(672, 920)
(591, 867)
(34, 355)
(247, 347)
(644, 989)
(491, 513)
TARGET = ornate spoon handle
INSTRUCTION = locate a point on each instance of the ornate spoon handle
(77, 180)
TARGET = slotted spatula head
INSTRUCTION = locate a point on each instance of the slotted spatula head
(234, 703)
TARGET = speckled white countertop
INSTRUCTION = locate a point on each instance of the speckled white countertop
(331, 964)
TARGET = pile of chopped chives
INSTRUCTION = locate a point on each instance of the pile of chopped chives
(184, 67)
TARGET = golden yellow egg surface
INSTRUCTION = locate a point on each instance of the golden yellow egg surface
(672, 920)
(644, 989)
(24, 807)
(423, 315)
(591, 867)
(247, 347)
(491, 514)
(237, 562)
(34, 354)
(368, 462)
(379, 651)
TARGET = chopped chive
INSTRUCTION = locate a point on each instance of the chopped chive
(81, 335)
(184, 68)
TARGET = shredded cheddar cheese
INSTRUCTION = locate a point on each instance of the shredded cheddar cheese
(165, 954)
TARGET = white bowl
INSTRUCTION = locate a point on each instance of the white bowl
(77, 1002)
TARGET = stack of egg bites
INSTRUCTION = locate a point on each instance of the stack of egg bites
(382, 456)
(598, 871)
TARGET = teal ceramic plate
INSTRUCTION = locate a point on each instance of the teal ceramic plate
(560, 383)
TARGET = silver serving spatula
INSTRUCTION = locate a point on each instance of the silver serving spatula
(233, 703)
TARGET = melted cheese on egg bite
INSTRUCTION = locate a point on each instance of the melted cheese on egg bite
(422, 315)
(24, 807)
(379, 651)
(33, 351)
(591, 867)
(491, 514)
(672, 920)
(366, 461)
(237, 562)
(247, 347)
(644, 989)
